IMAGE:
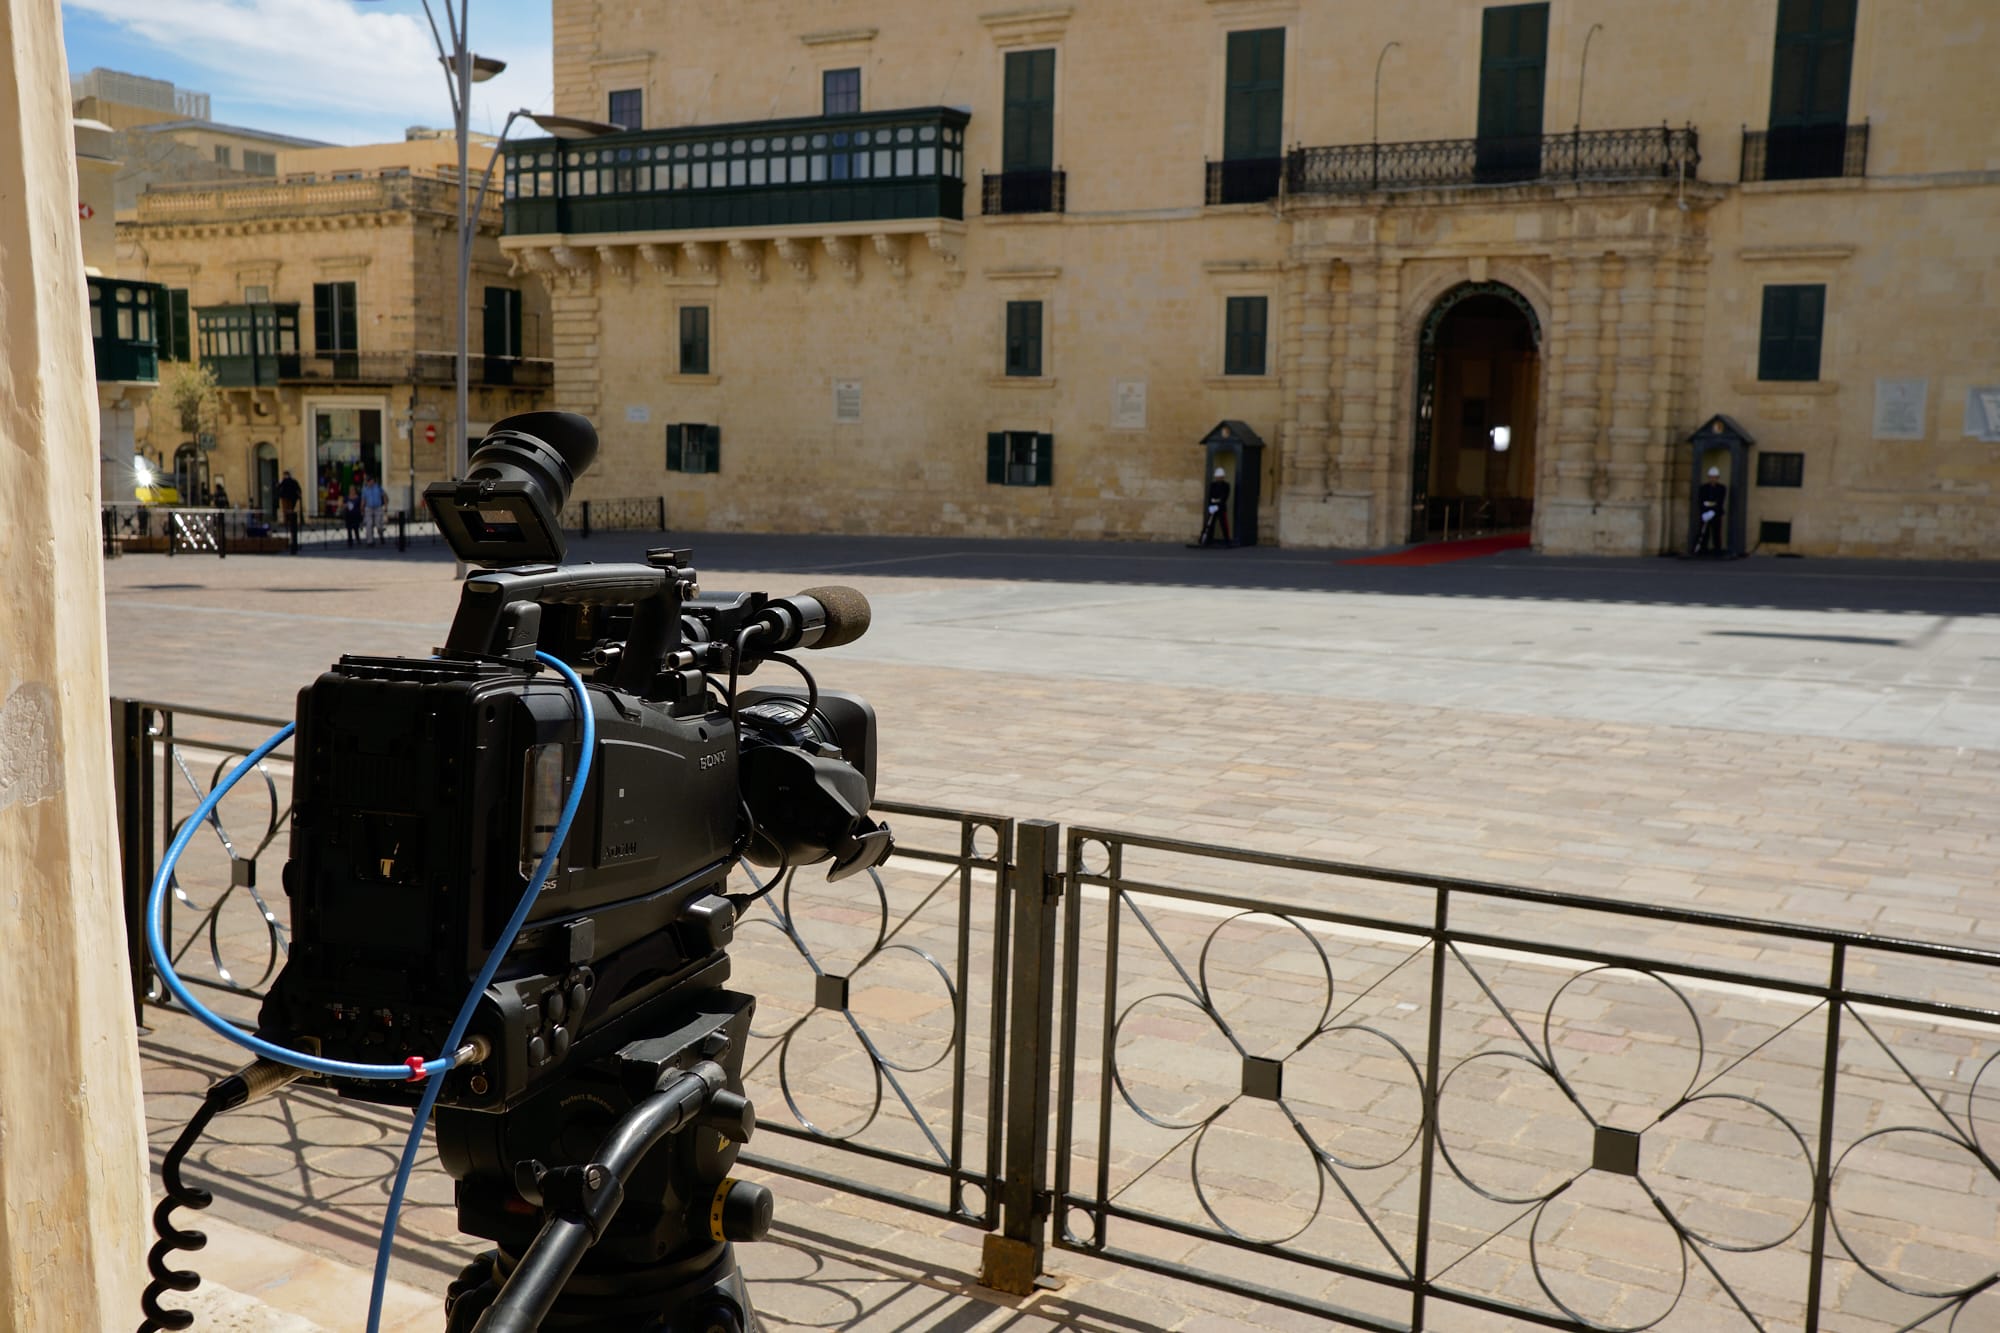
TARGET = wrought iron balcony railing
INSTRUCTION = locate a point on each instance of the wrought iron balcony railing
(812, 170)
(519, 372)
(1022, 192)
(1805, 152)
(1245, 180)
(1655, 153)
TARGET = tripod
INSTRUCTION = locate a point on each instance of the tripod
(632, 1228)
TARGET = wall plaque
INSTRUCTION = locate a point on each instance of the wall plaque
(1899, 409)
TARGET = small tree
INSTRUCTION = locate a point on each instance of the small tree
(190, 393)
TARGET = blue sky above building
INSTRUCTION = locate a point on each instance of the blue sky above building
(335, 70)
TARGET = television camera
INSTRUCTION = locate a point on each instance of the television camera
(596, 1108)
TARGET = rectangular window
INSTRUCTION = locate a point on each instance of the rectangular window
(260, 164)
(628, 108)
(1781, 469)
(174, 344)
(1811, 65)
(502, 323)
(1789, 341)
(1513, 62)
(1024, 338)
(1019, 458)
(694, 340)
(222, 155)
(1028, 116)
(1253, 116)
(257, 294)
(694, 448)
(1243, 341)
(335, 324)
(840, 92)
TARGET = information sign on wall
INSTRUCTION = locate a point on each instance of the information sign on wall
(1128, 404)
(1899, 409)
(847, 400)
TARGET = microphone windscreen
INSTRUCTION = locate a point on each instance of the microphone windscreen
(847, 614)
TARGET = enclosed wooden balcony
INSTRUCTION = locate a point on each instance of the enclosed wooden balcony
(805, 172)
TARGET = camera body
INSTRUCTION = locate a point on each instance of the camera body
(427, 790)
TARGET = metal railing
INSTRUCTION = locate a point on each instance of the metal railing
(1022, 192)
(632, 513)
(1356, 1092)
(129, 528)
(521, 372)
(1251, 180)
(1805, 152)
(1655, 153)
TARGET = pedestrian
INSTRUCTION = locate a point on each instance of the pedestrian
(221, 498)
(1713, 497)
(289, 496)
(376, 503)
(1218, 510)
(350, 509)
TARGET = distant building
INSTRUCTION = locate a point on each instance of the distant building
(951, 269)
(323, 301)
(124, 316)
(163, 134)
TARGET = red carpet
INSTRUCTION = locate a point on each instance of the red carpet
(1439, 553)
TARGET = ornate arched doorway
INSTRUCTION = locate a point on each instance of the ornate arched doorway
(1478, 400)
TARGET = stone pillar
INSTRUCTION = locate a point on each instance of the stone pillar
(1391, 483)
(1311, 422)
(1303, 519)
(1631, 389)
(73, 1218)
(1351, 501)
(1563, 502)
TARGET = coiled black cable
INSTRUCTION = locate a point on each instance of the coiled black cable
(172, 1238)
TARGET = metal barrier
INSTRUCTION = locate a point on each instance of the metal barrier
(1369, 1095)
(137, 528)
(633, 513)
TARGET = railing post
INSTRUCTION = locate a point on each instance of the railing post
(1012, 1259)
(131, 760)
(586, 518)
(402, 529)
(663, 513)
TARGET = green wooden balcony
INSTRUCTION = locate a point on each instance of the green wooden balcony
(124, 329)
(866, 167)
(249, 345)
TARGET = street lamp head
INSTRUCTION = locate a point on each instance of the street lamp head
(572, 127)
(483, 67)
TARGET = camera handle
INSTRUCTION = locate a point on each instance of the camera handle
(499, 612)
(582, 1199)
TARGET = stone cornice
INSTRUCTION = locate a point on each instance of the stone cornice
(839, 36)
(1758, 254)
(1033, 25)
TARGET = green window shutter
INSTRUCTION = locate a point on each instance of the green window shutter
(179, 348)
(674, 449)
(1513, 60)
(1244, 337)
(324, 327)
(1024, 338)
(1027, 129)
(1254, 99)
(712, 453)
(694, 340)
(1790, 336)
(996, 458)
(349, 320)
(494, 322)
(1045, 450)
(1812, 63)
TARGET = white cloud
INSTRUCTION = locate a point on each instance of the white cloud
(330, 69)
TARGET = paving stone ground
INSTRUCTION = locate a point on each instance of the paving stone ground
(1807, 743)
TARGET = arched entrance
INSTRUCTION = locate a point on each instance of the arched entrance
(1478, 397)
(265, 496)
(191, 474)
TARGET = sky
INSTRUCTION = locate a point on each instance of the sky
(342, 71)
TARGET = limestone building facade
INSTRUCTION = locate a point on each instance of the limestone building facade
(935, 266)
(322, 300)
